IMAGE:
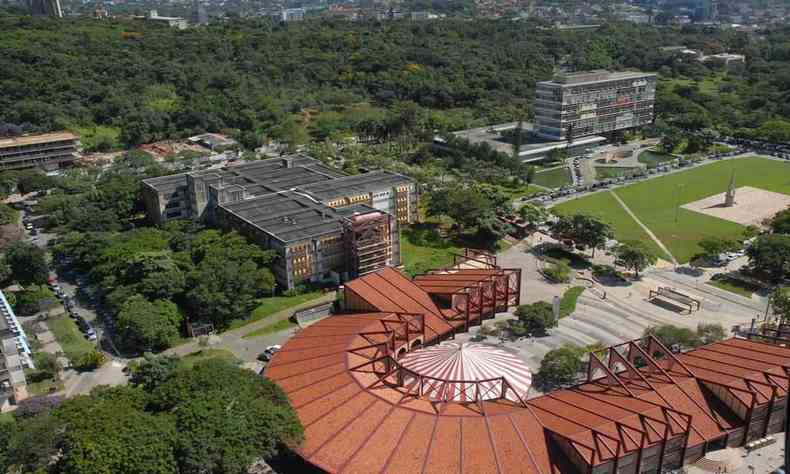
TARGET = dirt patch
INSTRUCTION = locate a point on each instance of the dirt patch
(752, 205)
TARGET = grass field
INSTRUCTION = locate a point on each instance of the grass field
(655, 203)
(606, 208)
(652, 159)
(423, 248)
(606, 172)
(516, 192)
(555, 178)
(281, 325)
(190, 360)
(269, 306)
(69, 337)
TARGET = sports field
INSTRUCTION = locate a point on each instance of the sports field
(656, 202)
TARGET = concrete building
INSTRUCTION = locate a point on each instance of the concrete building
(15, 357)
(49, 151)
(593, 103)
(533, 148)
(323, 224)
(172, 21)
(290, 14)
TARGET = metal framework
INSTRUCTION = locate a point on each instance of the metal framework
(474, 295)
(368, 242)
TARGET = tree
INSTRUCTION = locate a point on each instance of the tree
(670, 335)
(226, 416)
(536, 318)
(710, 333)
(770, 254)
(47, 365)
(28, 263)
(33, 299)
(149, 326)
(7, 214)
(634, 255)
(713, 246)
(466, 205)
(152, 371)
(33, 442)
(780, 302)
(533, 214)
(780, 223)
(561, 365)
(583, 230)
(104, 433)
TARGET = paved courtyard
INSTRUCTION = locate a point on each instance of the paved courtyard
(752, 205)
(624, 314)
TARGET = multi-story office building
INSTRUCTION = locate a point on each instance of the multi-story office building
(593, 103)
(323, 224)
(49, 151)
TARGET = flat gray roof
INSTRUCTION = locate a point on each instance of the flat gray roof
(593, 77)
(354, 185)
(292, 216)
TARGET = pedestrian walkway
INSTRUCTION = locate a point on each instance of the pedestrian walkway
(644, 227)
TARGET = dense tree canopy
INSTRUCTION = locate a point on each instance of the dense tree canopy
(210, 418)
(267, 80)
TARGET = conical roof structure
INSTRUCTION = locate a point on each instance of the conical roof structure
(454, 371)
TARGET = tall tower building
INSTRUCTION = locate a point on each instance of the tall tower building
(593, 103)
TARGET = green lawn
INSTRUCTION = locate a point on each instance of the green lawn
(654, 201)
(652, 159)
(568, 300)
(190, 360)
(555, 178)
(423, 248)
(44, 387)
(274, 304)
(604, 206)
(69, 337)
(734, 285)
(271, 328)
(606, 172)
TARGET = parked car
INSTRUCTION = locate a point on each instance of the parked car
(267, 354)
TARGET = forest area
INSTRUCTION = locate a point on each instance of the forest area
(122, 83)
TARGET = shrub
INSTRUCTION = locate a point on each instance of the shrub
(90, 360)
(558, 272)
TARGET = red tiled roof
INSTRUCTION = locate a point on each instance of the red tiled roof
(355, 422)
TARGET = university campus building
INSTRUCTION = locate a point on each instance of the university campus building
(382, 387)
(49, 151)
(323, 224)
(582, 104)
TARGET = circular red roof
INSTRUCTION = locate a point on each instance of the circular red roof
(455, 371)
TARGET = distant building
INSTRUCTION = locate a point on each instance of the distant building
(199, 14)
(172, 21)
(532, 149)
(323, 224)
(214, 141)
(582, 104)
(46, 8)
(726, 58)
(15, 355)
(290, 14)
(49, 151)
